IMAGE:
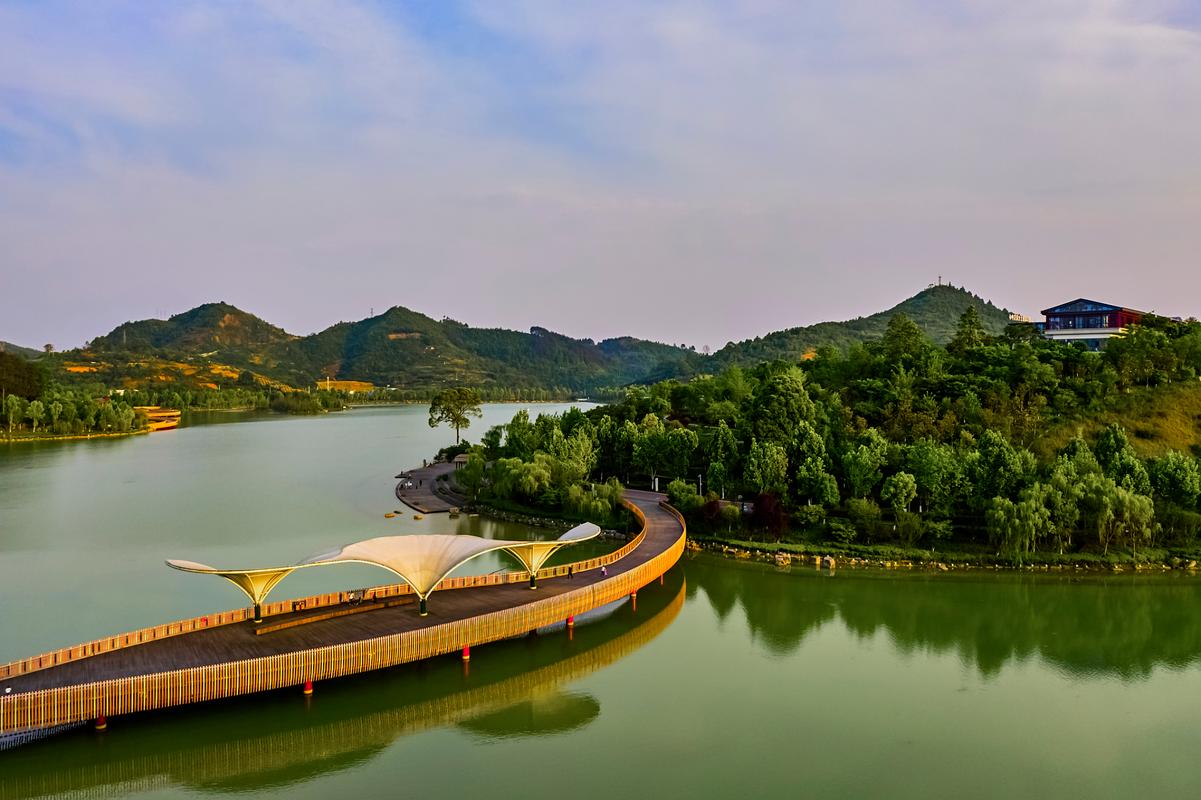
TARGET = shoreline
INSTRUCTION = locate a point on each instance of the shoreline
(71, 437)
(785, 554)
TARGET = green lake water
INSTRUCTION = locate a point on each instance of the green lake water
(730, 680)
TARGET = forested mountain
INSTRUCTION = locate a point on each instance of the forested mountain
(18, 350)
(399, 347)
(213, 343)
(935, 310)
(212, 326)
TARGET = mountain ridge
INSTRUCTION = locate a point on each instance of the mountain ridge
(18, 350)
(935, 309)
(406, 349)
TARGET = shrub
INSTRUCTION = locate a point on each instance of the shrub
(909, 527)
(865, 515)
(731, 516)
(683, 497)
(810, 516)
(840, 531)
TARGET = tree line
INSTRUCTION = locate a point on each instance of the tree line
(896, 441)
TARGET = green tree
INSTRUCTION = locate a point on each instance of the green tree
(904, 342)
(719, 452)
(455, 407)
(779, 407)
(864, 462)
(937, 471)
(650, 446)
(1015, 527)
(574, 457)
(1175, 478)
(519, 436)
(899, 491)
(1000, 470)
(34, 412)
(681, 444)
(14, 410)
(767, 468)
(493, 442)
(969, 332)
(471, 476)
(1120, 462)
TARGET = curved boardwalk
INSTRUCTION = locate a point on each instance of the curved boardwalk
(229, 660)
(239, 758)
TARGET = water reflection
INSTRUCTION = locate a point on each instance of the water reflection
(513, 689)
(1122, 626)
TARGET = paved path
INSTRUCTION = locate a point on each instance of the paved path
(422, 496)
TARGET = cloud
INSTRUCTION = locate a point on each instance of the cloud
(694, 171)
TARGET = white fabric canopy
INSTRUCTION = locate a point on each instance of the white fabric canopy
(421, 560)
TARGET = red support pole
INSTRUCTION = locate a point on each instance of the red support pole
(308, 688)
(571, 621)
(467, 652)
(101, 723)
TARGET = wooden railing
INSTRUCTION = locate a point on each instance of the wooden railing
(179, 627)
(52, 707)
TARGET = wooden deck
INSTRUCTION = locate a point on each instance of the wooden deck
(229, 644)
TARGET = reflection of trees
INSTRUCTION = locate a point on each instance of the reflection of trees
(1123, 626)
(538, 716)
(521, 695)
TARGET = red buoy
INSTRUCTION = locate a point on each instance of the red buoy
(571, 621)
(308, 688)
(101, 723)
(467, 652)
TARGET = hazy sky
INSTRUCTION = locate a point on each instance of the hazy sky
(685, 171)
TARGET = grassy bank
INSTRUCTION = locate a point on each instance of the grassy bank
(961, 556)
(25, 436)
(1158, 420)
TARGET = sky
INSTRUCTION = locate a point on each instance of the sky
(691, 171)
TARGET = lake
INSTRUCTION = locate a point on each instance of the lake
(733, 679)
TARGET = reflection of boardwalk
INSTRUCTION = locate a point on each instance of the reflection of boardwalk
(329, 746)
(423, 495)
(229, 660)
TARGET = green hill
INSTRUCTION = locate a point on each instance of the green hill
(211, 327)
(409, 350)
(18, 350)
(399, 347)
(935, 310)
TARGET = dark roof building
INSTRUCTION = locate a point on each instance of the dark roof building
(1088, 322)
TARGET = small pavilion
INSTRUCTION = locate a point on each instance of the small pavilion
(421, 561)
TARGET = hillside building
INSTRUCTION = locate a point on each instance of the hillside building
(1088, 322)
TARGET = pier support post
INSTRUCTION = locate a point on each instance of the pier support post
(258, 613)
(101, 723)
(533, 581)
(423, 608)
(308, 688)
(634, 600)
